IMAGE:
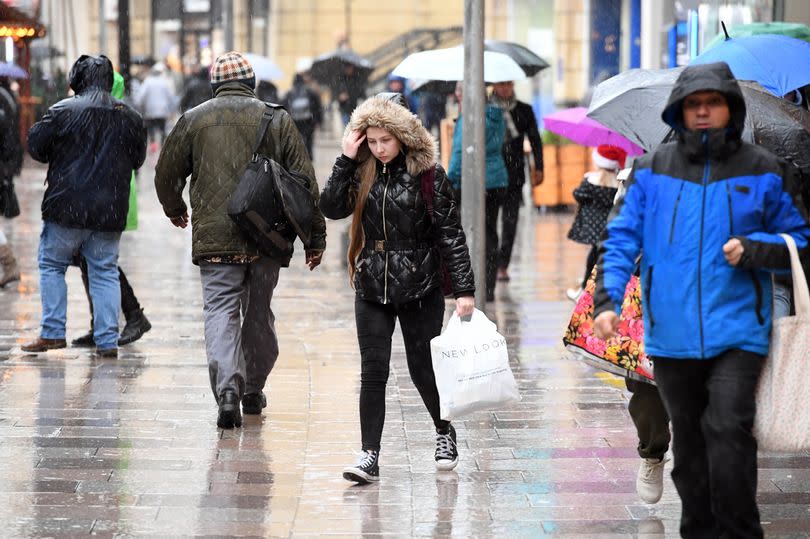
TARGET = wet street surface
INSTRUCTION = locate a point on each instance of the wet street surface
(129, 447)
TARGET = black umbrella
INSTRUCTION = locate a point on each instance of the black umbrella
(631, 104)
(526, 59)
(327, 68)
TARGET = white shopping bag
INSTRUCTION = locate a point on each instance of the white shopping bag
(472, 367)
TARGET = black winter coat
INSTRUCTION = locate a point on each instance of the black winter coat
(92, 142)
(595, 203)
(526, 125)
(400, 261)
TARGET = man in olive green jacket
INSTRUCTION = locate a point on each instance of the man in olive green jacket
(213, 143)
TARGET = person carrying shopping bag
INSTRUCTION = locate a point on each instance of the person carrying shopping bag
(396, 250)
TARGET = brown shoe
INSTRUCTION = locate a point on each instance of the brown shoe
(41, 345)
(107, 352)
(11, 272)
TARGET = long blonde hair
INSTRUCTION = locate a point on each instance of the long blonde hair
(367, 175)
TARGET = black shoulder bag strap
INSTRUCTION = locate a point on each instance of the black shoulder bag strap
(267, 117)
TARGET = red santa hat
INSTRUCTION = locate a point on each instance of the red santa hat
(609, 157)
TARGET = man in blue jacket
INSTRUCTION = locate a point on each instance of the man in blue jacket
(92, 142)
(706, 211)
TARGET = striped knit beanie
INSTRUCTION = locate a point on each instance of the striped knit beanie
(232, 66)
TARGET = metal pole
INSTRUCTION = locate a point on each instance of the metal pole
(227, 23)
(472, 153)
(123, 41)
(102, 28)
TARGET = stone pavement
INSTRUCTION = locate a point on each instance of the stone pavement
(129, 447)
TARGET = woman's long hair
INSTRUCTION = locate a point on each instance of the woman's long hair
(368, 175)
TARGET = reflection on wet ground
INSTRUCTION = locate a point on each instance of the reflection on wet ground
(129, 447)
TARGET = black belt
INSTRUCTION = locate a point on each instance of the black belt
(396, 245)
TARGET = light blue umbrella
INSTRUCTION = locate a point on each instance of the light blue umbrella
(780, 64)
(264, 68)
(12, 71)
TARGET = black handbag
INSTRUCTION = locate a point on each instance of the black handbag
(270, 204)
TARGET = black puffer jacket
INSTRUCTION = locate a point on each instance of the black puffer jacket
(401, 258)
(92, 142)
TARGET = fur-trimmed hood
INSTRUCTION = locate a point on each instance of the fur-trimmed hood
(419, 146)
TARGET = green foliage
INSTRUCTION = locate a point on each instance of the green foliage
(555, 139)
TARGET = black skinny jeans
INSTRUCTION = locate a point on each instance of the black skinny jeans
(420, 321)
(712, 407)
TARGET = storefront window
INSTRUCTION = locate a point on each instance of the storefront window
(711, 13)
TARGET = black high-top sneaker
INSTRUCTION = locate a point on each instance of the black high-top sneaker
(446, 450)
(366, 470)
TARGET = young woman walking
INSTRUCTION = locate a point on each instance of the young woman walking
(399, 240)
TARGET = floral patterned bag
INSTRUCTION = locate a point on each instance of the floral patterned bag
(624, 354)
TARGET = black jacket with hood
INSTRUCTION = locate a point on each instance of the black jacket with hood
(92, 142)
(400, 260)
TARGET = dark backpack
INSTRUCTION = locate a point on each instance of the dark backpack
(427, 183)
(270, 204)
(300, 105)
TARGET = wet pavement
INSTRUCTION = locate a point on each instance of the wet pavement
(129, 447)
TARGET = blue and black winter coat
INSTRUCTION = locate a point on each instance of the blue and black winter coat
(684, 201)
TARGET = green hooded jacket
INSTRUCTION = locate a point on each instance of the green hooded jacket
(213, 144)
(132, 215)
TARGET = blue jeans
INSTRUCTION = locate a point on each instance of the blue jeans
(781, 301)
(57, 244)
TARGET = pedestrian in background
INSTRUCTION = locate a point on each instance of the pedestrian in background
(520, 125)
(197, 90)
(304, 106)
(706, 211)
(136, 322)
(212, 143)
(11, 158)
(395, 250)
(87, 199)
(496, 181)
(267, 91)
(156, 101)
(594, 197)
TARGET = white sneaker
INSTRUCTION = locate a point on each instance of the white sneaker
(650, 480)
(573, 294)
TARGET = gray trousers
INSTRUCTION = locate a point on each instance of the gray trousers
(240, 332)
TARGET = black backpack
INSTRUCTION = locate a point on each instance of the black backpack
(300, 105)
(270, 204)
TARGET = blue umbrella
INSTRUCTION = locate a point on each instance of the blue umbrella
(780, 64)
(12, 71)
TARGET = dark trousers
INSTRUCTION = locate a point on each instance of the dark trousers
(510, 208)
(129, 303)
(493, 199)
(307, 131)
(590, 262)
(492, 204)
(650, 418)
(711, 405)
(420, 321)
(155, 127)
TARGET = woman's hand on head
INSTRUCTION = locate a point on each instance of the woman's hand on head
(352, 142)
(465, 305)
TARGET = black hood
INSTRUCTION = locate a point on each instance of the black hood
(717, 77)
(91, 72)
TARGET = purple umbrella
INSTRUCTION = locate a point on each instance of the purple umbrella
(575, 125)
